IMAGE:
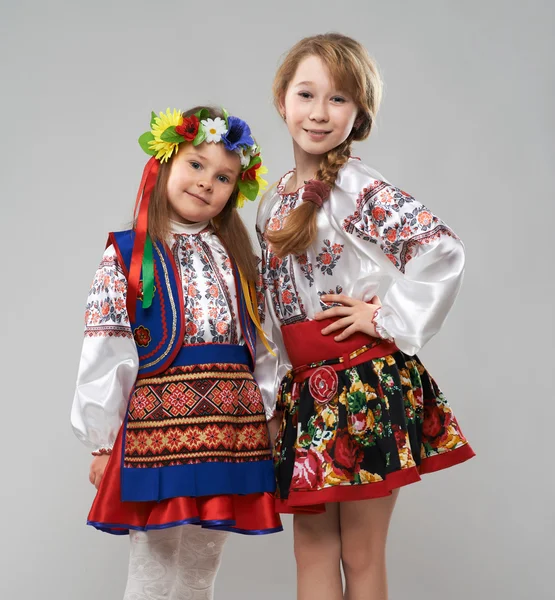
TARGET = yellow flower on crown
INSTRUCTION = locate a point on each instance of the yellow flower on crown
(164, 149)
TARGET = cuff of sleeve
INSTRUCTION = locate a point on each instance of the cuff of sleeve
(378, 324)
(103, 450)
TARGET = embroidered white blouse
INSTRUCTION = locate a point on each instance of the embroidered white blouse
(372, 239)
(109, 361)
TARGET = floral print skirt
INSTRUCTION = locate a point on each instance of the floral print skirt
(358, 431)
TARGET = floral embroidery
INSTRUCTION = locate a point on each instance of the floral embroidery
(327, 259)
(324, 305)
(306, 268)
(106, 312)
(278, 277)
(220, 306)
(184, 251)
(209, 309)
(395, 220)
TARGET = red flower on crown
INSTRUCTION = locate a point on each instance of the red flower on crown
(189, 128)
(250, 174)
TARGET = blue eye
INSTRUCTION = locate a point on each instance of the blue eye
(223, 178)
(195, 165)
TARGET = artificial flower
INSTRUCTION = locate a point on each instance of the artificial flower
(189, 128)
(238, 134)
(214, 129)
(164, 149)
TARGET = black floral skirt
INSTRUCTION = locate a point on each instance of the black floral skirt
(359, 431)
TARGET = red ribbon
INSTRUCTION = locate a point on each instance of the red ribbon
(150, 175)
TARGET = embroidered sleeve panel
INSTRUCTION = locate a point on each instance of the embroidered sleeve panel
(394, 220)
(106, 312)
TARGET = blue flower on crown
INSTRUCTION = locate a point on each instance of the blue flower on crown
(238, 134)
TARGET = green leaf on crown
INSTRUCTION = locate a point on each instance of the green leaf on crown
(202, 114)
(249, 189)
(153, 117)
(255, 160)
(200, 137)
(170, 135)
(143, 142)
(226, 117)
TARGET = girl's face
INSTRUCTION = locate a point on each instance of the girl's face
(319, 116)
(201, 180)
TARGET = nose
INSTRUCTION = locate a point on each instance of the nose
(319, 112)
(204, 184)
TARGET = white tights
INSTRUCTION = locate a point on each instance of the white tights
(178, 563)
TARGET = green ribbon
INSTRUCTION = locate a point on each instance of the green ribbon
(148, 273)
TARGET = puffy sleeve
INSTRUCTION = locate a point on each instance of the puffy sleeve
(109, 361)
(427, 259)
(270, 369)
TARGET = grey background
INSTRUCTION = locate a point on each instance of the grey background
(466, 127)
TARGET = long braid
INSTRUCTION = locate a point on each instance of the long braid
(300, 228)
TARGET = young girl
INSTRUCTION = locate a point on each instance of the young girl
(169, 351)
(359, 414)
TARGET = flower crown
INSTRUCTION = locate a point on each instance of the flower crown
(170, 129)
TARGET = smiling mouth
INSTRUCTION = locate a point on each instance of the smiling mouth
(197, 197)
(317, 132)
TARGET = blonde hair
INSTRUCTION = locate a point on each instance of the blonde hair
(352, 70)
(228, 224)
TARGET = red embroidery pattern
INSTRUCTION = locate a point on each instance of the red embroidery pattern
(193, 414)
(394, 219)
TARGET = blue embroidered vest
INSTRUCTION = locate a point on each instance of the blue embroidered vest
(159, 330)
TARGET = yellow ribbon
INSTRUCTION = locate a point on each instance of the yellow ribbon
(249, 293)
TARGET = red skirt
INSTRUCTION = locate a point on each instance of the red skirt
(360, 419)
(250, 514)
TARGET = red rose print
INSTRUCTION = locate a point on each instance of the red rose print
(378, 213)
(274, 262)
(322, 384)
(399, 436)
(222, 327)
(191, 290)
(189, 128)
(433, 421)
(307, 474)
(105, 308)
(325, 258)
(347, 451)
(286, 297)
(191, 328)
(358, 422)
(213, 291)
(391, 235)
(424, 218)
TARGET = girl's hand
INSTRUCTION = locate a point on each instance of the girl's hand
(273, 427)
(354, 315)
(98, 466)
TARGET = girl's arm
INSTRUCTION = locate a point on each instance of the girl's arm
(425, 263)
(109, 361)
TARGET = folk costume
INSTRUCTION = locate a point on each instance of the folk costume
(363, 416)
(166, 380)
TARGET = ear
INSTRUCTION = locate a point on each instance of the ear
(281, 107)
